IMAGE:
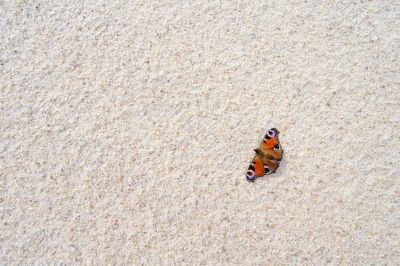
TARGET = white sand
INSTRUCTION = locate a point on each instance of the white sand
(127, 128)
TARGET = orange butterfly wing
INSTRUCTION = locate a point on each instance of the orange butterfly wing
(272, 148)
(258, 167)
(269, 144)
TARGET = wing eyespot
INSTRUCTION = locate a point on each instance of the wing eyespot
(250, 176)
(271, 133)
(267, 170)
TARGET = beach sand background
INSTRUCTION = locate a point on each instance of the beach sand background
(127, 128)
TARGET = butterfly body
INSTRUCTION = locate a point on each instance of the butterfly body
(267, 157)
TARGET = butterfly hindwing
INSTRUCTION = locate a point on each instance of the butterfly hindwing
(274, 154)
(270, 166)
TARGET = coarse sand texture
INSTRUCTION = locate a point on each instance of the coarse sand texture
(127, 127)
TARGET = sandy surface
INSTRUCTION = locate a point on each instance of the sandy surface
(127, 128)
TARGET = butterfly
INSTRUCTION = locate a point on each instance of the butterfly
(267, 157)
